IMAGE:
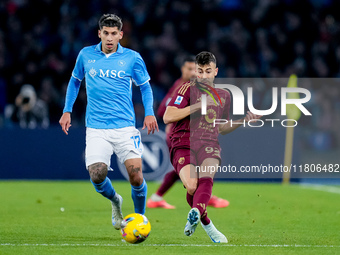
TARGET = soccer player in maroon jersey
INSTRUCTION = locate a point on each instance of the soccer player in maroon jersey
(156, 200)
(194, 140)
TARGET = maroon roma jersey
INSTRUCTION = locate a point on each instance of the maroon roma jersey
(196, 126)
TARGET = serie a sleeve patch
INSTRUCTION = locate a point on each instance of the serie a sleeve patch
(179, 100)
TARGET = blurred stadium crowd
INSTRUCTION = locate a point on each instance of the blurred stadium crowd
(40, 40)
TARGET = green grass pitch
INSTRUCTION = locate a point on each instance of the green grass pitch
(262, 219)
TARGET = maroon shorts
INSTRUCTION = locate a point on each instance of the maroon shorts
(203, 150)
(194, 155)
(180, 157)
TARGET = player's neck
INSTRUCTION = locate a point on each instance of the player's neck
(110, 52)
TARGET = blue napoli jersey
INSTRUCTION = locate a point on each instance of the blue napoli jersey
(109, 85)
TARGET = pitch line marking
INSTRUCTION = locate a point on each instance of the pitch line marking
(178, 245)
(320, 187)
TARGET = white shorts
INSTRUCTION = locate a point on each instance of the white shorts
(102, 143)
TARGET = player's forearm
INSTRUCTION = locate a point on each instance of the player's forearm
(71, 94)
(147, 98)
(227, 128)
(173, 114)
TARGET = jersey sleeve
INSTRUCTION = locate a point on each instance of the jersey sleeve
(71, 94)
(79, 70)
(181, 97)
(74, 83)
(139, 73)
(147, 98)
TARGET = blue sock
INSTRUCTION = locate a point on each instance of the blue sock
(105, 188)
(138, 194)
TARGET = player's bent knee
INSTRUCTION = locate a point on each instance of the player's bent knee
(191, 188)
(135, 173)
(98, 172)
(136, 179)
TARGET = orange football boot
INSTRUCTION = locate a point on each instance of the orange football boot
(159, 204)
(218, 202)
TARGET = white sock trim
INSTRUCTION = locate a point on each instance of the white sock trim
(156, 198)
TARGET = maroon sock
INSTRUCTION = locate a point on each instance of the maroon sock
(169, 180)
(190, 199)
(202, 197)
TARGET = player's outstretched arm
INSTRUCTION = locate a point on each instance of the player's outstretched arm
(227, 128)
(71, 96)
(174, 114)
(65, 122)
(150, 121)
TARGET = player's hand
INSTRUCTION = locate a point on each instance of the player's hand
(151, 123)
(252, 116)
(65, 122)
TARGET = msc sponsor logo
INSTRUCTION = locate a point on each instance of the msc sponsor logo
(111, 73)
(107, 73)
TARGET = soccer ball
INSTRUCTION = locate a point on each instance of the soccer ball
(135, 228)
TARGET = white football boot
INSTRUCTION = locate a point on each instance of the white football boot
(193, 220)
(215, 235)
(117, 216)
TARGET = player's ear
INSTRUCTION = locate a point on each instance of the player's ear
(99, 33)
(121, 34)
(216, 71)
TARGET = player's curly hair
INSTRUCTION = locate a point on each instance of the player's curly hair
(110, 20)
(204, 58)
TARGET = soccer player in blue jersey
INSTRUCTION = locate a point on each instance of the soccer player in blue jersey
(109, 70)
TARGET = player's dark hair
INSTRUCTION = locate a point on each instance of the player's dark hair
(205, 58)
(189, 58)
(110, 20)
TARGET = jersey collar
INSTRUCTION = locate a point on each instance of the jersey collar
(119, 48)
